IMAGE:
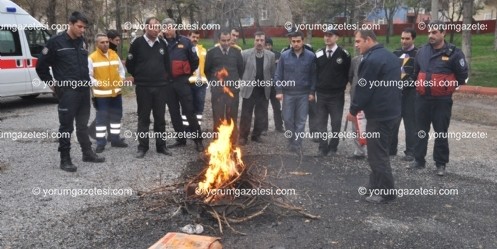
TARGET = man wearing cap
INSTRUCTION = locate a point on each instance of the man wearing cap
(184, 61)
(333, 64)
(278, 121)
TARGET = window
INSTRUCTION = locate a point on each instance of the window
(9, 42)
(37, 38)
(264, 14)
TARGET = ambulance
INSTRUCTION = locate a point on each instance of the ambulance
(22, 38)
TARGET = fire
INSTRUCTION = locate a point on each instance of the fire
(221, 75)
(225, 160)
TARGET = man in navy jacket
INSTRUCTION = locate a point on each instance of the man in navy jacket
(379, 96)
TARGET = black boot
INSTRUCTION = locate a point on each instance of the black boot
(65, 162)
(199, 146)
(90, 156)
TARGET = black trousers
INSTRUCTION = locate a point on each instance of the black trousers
(409, 117)
(436, 112)
(278, 120)
(256, 104)
(74, 105)
(225, 107)
(378, 154)
(329, 105)
(177, 93)
(313, 120)
(151, 99)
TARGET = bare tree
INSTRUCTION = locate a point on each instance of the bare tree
(390, 7)
(493, 3)
(416, 5)
(51, 16)
(434, 10)
(454, 13)
(466, 34)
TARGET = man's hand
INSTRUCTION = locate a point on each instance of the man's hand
(129, 80)
(350, 117)
(311, 97)
(279, 96)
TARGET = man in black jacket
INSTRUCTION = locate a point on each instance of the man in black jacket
(407, 54)
(379, 97)
(148, 63)
(333, 64)
(225, 95)
(67, 54)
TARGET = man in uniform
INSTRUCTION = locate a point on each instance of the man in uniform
(184, 61)
(148, 62)
(333, 64)
(107, 74)
(440, 67)
(67, 54)
(198, 81)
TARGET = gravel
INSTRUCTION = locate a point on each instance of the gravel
(29, 218)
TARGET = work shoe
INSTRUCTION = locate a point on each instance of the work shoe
(416, 165)
(408, 158)
(119, 143)
(181, 143)
(164, 151)
(440, 169)
(257, 139)
(199, 146)
(357, 157)
(100, 148)
(140, 154)
(242, 141)
(378, 199)
(322, 153)
(90, 156)
(65, 162)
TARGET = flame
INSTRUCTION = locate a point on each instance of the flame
(225, 160)
(221, 75)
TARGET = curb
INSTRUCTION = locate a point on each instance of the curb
(491, 91)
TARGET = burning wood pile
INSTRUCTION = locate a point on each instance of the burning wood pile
(217, 189)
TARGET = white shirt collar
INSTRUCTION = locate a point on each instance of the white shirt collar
(149, 41)
(334, 48)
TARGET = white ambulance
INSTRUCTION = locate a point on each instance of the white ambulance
(22, 39)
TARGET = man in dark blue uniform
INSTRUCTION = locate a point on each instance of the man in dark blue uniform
(440, 68)
(333, 64)
(67, 54)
